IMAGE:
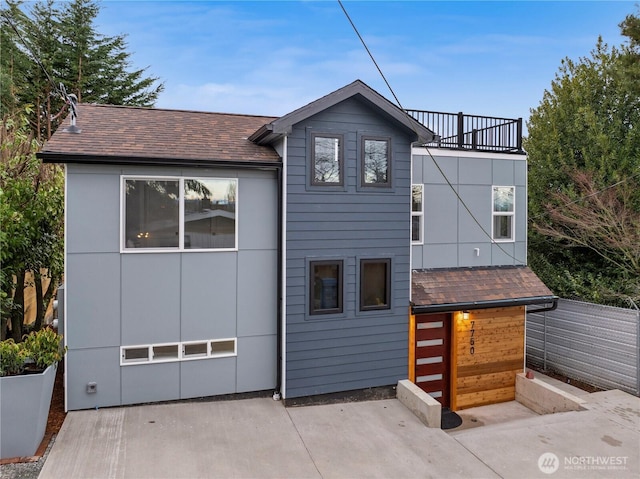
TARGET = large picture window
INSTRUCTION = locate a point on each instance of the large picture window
(325, 296)
(503, 224)
(375, 284)
(179, 213)
(417, 213)
(376, 163)
(327, 160)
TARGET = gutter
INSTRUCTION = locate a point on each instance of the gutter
(75, 158)
(499, 303)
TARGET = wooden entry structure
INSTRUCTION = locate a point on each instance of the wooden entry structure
(432, 366)
(467, 360)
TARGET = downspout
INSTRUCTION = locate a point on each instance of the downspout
(281, 354)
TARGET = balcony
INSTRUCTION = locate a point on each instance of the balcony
(472, 132)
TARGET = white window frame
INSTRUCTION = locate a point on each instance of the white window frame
(180, 354)
(180, 248)
(495, 213)
(417, 214)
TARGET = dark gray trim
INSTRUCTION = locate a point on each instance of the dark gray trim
(312, 158)
(284, 124)
(499, 303)
(387, 305)
(361, 159)
(49, 157)
(339, 287)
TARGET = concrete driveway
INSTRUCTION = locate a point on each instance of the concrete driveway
(259, 438)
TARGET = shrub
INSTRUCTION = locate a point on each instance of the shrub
(40, 348)
(12, 357)
(44, 347)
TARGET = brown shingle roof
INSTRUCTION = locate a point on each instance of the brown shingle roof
(466, 286)
(170, 136)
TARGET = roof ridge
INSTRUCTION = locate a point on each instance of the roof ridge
(174, 110)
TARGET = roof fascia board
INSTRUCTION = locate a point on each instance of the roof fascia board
(284, 124)
(52, 157)
(500, 303)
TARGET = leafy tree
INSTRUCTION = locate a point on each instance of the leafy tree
(584, 178)
(31, 223)
(51, 45)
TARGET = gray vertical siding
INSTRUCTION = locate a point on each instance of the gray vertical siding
(450, 233)
(329, 353)
(116, 299)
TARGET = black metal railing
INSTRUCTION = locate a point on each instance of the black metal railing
(472, 132)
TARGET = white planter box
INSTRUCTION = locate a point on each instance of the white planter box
(24, 409)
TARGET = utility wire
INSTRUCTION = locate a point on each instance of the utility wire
(9, 21)
(69, 99)
(462, 202)
(370, 54)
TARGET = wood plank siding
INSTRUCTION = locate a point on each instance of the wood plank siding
(488, 352)
(352, 349)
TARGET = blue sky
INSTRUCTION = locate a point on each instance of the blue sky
(271, 57)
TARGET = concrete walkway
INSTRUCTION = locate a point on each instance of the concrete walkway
(259, 438)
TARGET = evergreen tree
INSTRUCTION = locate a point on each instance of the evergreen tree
(584, 177)
(49, 46)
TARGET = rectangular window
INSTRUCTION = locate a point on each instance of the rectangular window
(152, 213)
(375, 284)
(325, 296)
(376, 164)
(179, 214)
(503, 224)
(327, 160)
(417, 213)
(184, 351)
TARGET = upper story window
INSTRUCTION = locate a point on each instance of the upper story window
(503, 224)
(327, 160)
(417, 213)
(376, 162)
(163, 214)
(325, 295)
(375, 284)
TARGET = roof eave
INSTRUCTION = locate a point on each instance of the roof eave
(75, 158)
(498, 303)
(283, 125)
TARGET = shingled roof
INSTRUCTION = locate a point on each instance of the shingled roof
(455, 289)
(135, 135)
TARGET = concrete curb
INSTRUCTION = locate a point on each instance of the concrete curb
(425, 407)
(544, 398)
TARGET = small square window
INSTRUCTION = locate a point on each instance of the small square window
(376, 162)
(375, 284)
(327, 163)
(325, 296)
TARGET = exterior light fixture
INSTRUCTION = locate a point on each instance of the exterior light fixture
(465, 315)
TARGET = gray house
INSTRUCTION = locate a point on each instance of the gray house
(211, 254)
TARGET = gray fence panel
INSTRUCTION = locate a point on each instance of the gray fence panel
(589, 342)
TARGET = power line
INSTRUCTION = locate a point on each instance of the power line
(460, 200)
(9, 21)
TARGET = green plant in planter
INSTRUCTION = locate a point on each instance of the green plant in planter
(12, 358)
(37, 351)
(44, 348)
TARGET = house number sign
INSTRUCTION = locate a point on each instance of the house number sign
(472, 339)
